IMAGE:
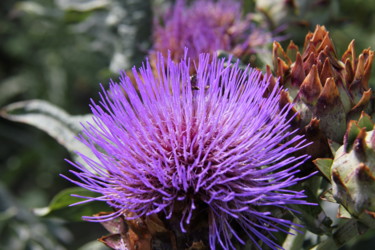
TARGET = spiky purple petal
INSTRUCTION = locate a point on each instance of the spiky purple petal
(218, 138)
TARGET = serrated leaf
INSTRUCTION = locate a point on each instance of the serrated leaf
(60, 205)
(45, 116)
(324, 165)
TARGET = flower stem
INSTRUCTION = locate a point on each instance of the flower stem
(295, 241)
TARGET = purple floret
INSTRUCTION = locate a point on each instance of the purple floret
(217, 139)
(206, 26)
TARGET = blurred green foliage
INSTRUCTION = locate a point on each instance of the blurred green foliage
(59, 50)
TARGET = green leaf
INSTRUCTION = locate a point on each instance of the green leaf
(60, 205)
(65, 198)
(43, 115)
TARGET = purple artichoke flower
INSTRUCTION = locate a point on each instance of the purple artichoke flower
(213, 145)
(207, 26)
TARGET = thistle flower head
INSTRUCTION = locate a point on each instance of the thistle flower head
(207, 26)
(180, 147)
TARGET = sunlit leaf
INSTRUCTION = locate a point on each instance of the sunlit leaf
(63, 127)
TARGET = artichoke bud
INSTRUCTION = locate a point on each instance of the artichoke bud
(352, 171)
(323, 86)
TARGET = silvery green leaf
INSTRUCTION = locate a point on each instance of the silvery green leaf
(82, 5)
(43, 115)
